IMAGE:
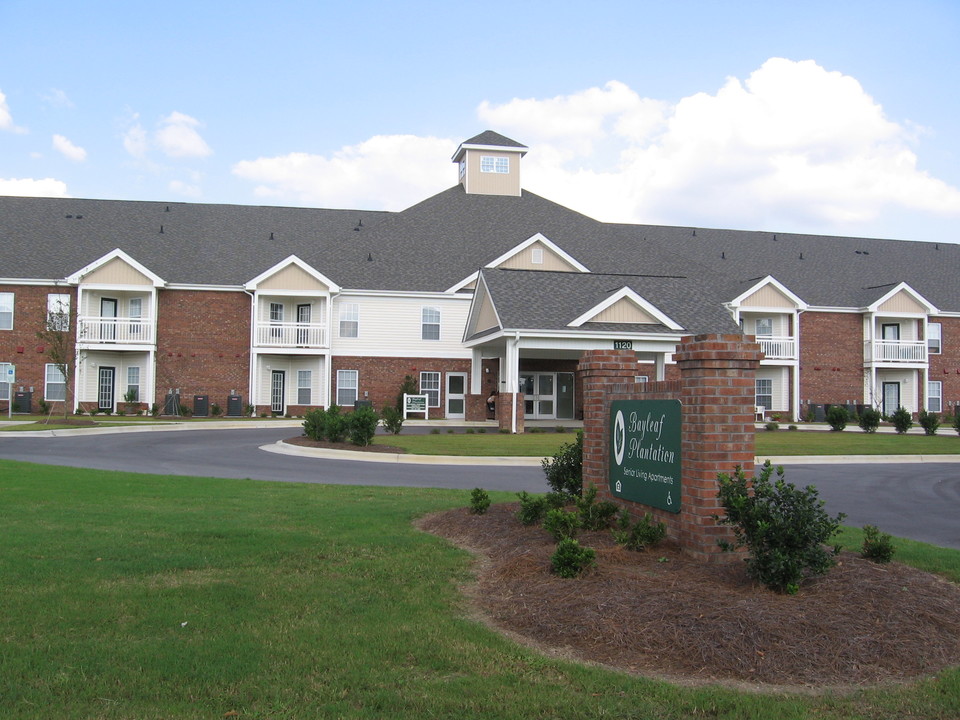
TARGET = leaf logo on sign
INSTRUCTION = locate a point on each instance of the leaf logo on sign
(619, 438)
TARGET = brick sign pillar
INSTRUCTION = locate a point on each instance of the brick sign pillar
(717, 396)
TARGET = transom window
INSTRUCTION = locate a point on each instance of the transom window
(491, 164)
(304, 387)
(430, 323)
(347, 384)
(934, 396)
(765, 393)
(934, 338)
(6, 311)
(349, 320)
(430, 386)
(55, 387)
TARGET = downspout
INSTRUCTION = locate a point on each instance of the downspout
(251, 373)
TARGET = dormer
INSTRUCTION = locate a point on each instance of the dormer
(489, 164)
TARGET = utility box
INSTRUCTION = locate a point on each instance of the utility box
(23, 402)
(171, 404)
(234, 406)
(201, 405)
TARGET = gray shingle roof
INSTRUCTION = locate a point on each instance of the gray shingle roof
(489, 137)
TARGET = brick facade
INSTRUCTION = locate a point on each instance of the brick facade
(716, 391)
(831, 358)
(203, 345)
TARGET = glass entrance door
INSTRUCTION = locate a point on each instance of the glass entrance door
(891, 397)
(277, 384)
(456, 395)
(539, 395)
(105, 386)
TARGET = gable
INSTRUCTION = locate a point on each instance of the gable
(528, 257)
(624, 311)
(902, 302)
(116, 272)
(292, 277)
(483, 315)
(768, 296)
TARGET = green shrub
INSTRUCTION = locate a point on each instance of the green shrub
(929, 421)
(784, 528)
(561, 524)
(479, 501)
(362, 425)
(837, 417)
(532, 508)
(314, 424)
(555, 500)
(569, 559)
(450, 431)
(95, 411)
(249, 410)
(877, 546)
(771, 427)
(434, 431)
(564, 470)
(870, 420)
(79, 411)
(902, 420)
(216, 410)
(956, 423)
(468, 431)
(335, 426)
(640, 535)
(44, 407)
(595, 515)
(407, 387)
(559, 429)
(792, 427)
(392, 419)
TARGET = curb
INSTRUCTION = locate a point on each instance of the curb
(282, 448)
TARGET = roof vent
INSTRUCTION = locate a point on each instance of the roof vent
(694, 232)
(168, 209)
(271, 236)
(69, 217)
(723, 255)
(774, 238)
(369, 257)
(161, 229)
(801, 256)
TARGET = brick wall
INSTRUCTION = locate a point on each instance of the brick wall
(21, 346)
(945, 367)
(203, 344)
(831, 357)
(716, 391)
(379, 378)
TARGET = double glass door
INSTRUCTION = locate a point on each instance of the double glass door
(547, 396)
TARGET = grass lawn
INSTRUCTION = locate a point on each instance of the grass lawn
(853, 441)
(140, 596)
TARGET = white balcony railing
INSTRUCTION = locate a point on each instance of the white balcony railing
(778, 348)
(119, 330)
(305, 335)
(906, 351)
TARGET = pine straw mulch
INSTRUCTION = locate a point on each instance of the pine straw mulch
(660, 613)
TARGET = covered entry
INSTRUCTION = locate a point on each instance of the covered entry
(548, 395)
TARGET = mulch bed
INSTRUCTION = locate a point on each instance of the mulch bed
(660, 613)
(304, 441)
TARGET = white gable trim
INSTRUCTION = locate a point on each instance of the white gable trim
(293, 260)
(903, 287)
(630, 295)
(522, 150)
(772, 281)
(78, 276)
(463, 283)
(475, 308)
(537, 237)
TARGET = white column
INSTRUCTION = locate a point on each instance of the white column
(659, 361)
(476, 371)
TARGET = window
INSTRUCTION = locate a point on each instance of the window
(6, 311)
(765, 393)
(490, 164)
(135, 310)
(934, 396)
(58, 312)
(55, 387)
(304, 386)
(347, 384)
(536, 256)
(4, 384)
(276, 317)
(430, 323)
(133, 385)
(764, 326)
(933, 338)
(641, 378)
(349, 320)
(430, 386)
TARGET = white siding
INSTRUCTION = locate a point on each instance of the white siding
(781, 386)
(90, 376)
(290, 364)
(390, 327)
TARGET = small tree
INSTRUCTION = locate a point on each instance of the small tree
(870, 420)
(407, 387)
(929, 421)
(564, 470)
(59, 345)
(902, 420)
(837, 417)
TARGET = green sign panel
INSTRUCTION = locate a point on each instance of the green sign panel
(623, 344)
(645, 452)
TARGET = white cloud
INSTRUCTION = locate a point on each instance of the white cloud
(68, 149)
(178, 187)
(135, 141)
(178, 137)
(6, 118)
(387, 172)
(792, 146)
(28, 187)
(57, 98)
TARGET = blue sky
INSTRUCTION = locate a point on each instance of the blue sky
(824, 117)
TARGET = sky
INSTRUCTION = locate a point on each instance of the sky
(834, 117)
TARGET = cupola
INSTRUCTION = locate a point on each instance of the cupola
(489, 164)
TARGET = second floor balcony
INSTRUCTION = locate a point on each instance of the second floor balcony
(290, 335)
(778, 348)
(896, 351)
(115, 330)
